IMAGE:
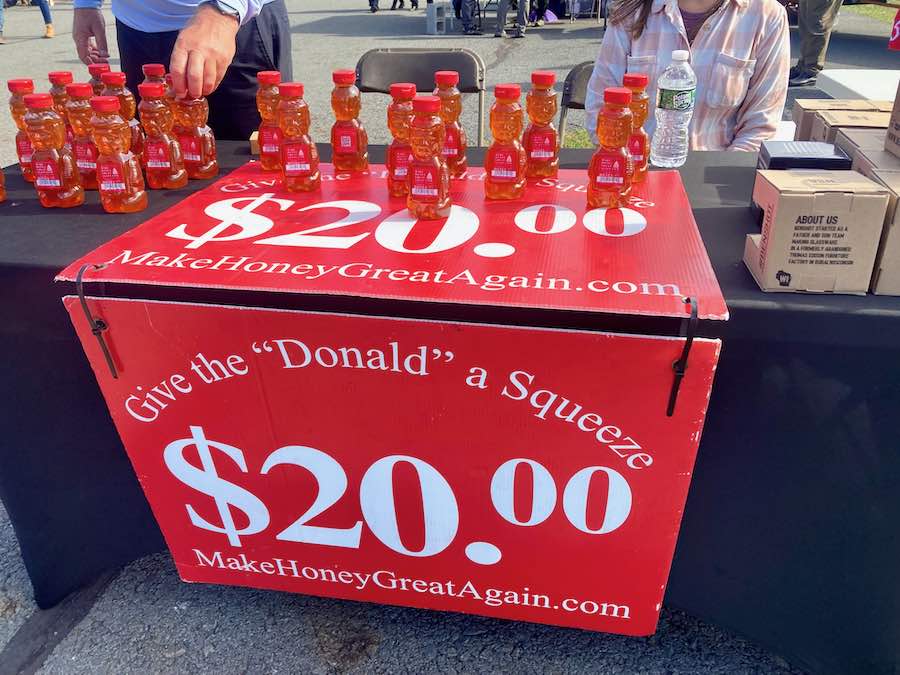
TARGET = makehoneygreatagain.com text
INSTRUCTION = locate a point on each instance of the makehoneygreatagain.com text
(369, 271)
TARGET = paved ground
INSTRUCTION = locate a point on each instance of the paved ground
(146, 620)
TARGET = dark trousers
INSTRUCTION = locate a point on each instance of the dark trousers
(263, 43)
(539, 7)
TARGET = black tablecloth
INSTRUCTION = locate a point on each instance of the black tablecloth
(790, 530)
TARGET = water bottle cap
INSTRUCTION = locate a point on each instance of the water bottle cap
(619, 95)
(291, 89)
(508, 91)
(636, 80)
(543, 78)
(20, 86)
(105, 103)
(80, 90)
(680, 55)
(403, 90)
(153, 69)
(426, 104)
(113, 78)
(60, 77)
(268, 77)
(39, 101)
(343, 76)
(446, 78)
(97, 69)
(151, 89)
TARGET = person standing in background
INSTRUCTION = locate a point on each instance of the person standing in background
(815, 21)
(45, 13)
(539, 7)
(214, 48)
(521, 18)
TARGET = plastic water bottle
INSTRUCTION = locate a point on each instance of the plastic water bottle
(674, 108)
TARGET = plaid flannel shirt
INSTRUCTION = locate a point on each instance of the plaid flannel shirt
(741, 57)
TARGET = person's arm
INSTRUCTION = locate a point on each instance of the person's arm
(758, 116)
(609, 68)
(205, 47)
(89, 31)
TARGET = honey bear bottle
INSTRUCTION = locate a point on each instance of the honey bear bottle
(609, 173)
(399, 116)
(19, 89)
(349, 141)
(299, 160)
(153, 72)
(540, 140)
(505, 160)
(114, 85)
(639, 142)
(96, 71)
(56, 176)
(455, 142)
(198, 145)
(59, 79)
(119, 174)
(269, 135)
(428, 176)
(79, 111)
(162, 158)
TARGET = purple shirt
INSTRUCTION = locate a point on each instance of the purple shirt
(693, 21)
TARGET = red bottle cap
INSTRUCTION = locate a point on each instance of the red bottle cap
(619, 95)
(426, 104)
(543, 78)
(113, 78)
(80, 90)
(403, 90)
(343, 76)
(154, 69)
(39, 101)
(508, 91)
(97, 69)
(151, 89)
(20, 86)
(291, 89)
(636, 80)
(268, 77)
(446, 78)
(60, 77)
(105, 103)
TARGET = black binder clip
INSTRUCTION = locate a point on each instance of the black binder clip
(97, 325)
(680, 366)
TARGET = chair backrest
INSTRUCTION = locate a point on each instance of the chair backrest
(377, 69)
(575, 86)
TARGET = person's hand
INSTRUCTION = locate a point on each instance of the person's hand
(89, 34)
(203, 52)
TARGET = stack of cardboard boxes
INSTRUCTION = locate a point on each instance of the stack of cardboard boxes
(833, 231)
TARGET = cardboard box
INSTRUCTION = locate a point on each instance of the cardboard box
(886, 276)
(801, 155)
(805, 110)
(254, 143)
(827, 123)
(821, 231)
(867, 162)
(851, 140)
(892, 139)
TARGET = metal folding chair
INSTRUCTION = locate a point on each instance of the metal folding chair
(574, 92)
(377, 69)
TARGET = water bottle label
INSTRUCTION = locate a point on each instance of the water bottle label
(680, 100)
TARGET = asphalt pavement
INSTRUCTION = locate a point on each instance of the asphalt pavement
(144, 619)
